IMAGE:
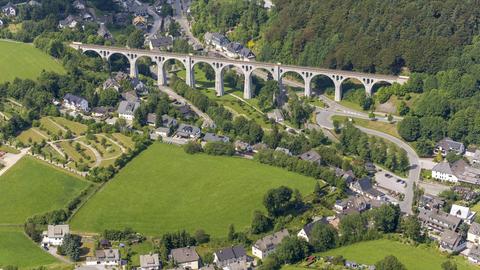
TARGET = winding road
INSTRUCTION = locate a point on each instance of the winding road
(324, 119)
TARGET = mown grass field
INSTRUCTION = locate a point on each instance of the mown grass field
(165, 190)
(16, 249)
(76, 128)
(32, 187)
(24, 61)
(414, 258)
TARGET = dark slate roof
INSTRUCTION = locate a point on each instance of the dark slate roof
(308, 228)
(231, 253)
(74, 99)
(449, 144)
(311, 155)
(161, 42)
(184, 255)
(212, 137)
(474, 228)
(234, 47)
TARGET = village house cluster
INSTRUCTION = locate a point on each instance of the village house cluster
(232, 49)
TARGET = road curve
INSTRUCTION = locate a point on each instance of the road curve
(323, 118)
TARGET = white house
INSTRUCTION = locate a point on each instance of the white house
(235, 255)
(149, 262)
(443, 171)
(55, 234)
(9, 10)
(75, 103)
(105, 257)
(126, 110)
(186, 257)
(473, 234)
(463, 212)
(306, 231)
(267, 245)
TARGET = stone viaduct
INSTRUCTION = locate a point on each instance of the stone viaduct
(246, 67)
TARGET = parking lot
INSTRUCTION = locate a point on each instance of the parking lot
(390, 181)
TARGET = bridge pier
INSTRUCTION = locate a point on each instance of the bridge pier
(133, 68)
(247, 86)
(219, 82)
(189, 76)
(161, 74)
(308, 87)
(338, 91)
(368, 89)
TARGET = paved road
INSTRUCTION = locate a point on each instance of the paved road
(207, 120)
(11, 159)
(181, 18)
(324, 120)
(157, 22)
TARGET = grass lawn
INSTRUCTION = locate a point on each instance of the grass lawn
(390, 129)
(77, 156)
(8, 149)
(24, 61)
(123, 140)
(16, 249)
(75, 127)
(107, 151)
(33, 135)
(165, 190)
(32, 187)
(48, 124)
(414, 258)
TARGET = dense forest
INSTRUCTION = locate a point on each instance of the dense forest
(370, 35)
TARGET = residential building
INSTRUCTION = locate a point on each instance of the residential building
(474, 254)
(451, 241)
(152, 119)
(186, 112)
(465, 173)
(473, 234)
(168, 121)
(70, 22)
(283, 150)
(447, 145)
(101, 111)
(370, 167)
(470, 151)
(112, 83)
(79, 4)
(246, 54)
(105, 257)
(258, 147)
(188, 131)
(312, 156)
(431, 202)
(9, 10)
(185, 257)
(150, 262)
(212, 137)
(267, 245)
(463, 212)
(476, 158)
(276, 115)
(126, 110)
(364, 187)
(86, 16)
(162, 132)
(139, 86)
(103, 32)
(217, 40)
(140, 22)
(232, 255)
(120, 76)
(130, 96)
(306, 231)
(352, 204)
(161, 43)
(75, 103)
(55, 234)
(438, 221)
(233, 49)
(243, 147)
(443, 172)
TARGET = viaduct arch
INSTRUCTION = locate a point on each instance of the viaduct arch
(219, 64)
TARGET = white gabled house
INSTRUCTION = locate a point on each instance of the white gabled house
(267, 245)
(306, 231)
(104, 257)
(463, 213)
(443, 171)
(75, 103)
(55, 234)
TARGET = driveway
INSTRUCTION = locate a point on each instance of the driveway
(433, 188)
(11, 159)
(389, 181)
(157, 22)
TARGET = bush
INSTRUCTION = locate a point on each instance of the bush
(219, 149)
(192, 148)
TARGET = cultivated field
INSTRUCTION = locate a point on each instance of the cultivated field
(414, 258)
(165, 190)
(24, 61)
(17, 249)
(32, 187)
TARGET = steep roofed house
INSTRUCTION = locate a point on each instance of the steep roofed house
(105, 257)
(55, 234)
(126, 110)
(9, 10)
(150, 262)
(232, 255)
(75, 103)
(473, 234)
(451, 241)
(364, 187)
(438, 221)
(212, 137)
(103, 32)
(112, 83)
(188, 132)
(267, 245)
(462, 212)
(443, 171)
(216, 40)
(70, 21)
(306, 231)
(186, 257)
(447, 145)
(161, 43)
(312, 156)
